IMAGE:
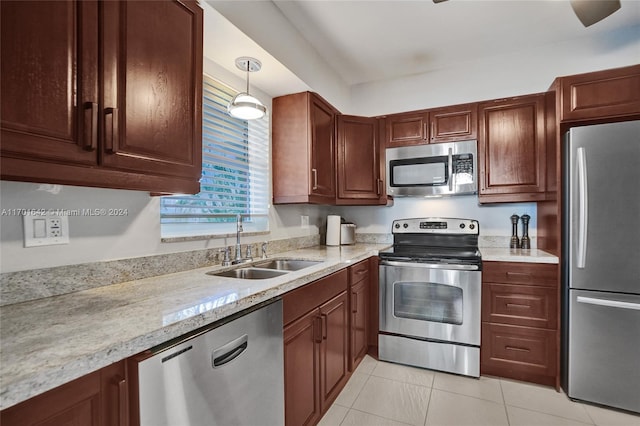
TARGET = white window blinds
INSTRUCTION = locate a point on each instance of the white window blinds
(235, 173)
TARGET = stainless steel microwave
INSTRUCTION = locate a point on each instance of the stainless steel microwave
(433, 170)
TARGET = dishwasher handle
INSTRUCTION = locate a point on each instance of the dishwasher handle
(230, 351)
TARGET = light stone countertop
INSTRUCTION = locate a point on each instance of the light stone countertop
(517, 255)
(47, 342)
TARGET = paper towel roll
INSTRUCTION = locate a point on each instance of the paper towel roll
(333, 230)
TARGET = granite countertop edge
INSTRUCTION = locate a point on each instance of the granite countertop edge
(497, 254)
(30, 366)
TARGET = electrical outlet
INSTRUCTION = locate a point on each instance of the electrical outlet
(45, 229)
(304, 222)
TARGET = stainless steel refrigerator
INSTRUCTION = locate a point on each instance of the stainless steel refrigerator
(601, 264)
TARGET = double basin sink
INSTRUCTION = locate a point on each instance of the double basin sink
(266, 269)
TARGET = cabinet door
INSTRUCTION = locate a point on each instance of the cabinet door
(407, 129)
(50, 80)
(114, 395)
(359, 321)
(512, 151)
(75, 403)
(334, 350)
(302, 339)
(455, 123)
(152, 67)
(604, 94)
(322, 170)
(358, 161)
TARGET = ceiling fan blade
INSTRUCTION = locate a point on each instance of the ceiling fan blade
(591, 11)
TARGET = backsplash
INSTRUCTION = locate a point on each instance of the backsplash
(22, 286)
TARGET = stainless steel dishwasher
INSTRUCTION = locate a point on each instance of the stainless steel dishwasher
(231, 374)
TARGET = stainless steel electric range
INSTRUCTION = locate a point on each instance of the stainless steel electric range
(430, 295)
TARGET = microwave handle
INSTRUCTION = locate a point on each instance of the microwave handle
(450, 169)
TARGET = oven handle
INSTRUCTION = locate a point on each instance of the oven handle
(430, 265)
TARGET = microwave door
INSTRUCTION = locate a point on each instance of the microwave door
(419, 176)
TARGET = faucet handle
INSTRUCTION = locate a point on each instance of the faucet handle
(227, 256)
(249, 256)
(264, 250)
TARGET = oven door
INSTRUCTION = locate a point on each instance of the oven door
(438, 302)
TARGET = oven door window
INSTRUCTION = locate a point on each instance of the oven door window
(427, 302)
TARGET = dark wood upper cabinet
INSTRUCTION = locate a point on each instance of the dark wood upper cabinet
(303, 149)
(455, 123)
(404, 129)
(104, 94)
(50, 83)
(152, 62)
(602, 95)
(447, 124)
(359, 162)
(512, 149)
(322, 157)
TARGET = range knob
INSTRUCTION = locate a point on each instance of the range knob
(397, 226)
(472, 226)
(462, 226)
(406, 225)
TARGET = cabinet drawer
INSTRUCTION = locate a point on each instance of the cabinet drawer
(359, 272)
(519, 305)
(301, 300)
(542, 274)
(518, 352)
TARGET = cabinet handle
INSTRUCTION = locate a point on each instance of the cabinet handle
(517, 305)
(379, 186)
(324, 326)
(314, 174)
(519, 274)
(317, 330)
(354, 303)
(433, 130)
(90, 139)
(516, 348)
(425, 131)
(123, 400)
(111, 130)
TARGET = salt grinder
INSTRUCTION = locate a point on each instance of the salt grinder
(526, 242)
(515, 243)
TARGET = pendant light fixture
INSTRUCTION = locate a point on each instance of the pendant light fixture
(243, 105)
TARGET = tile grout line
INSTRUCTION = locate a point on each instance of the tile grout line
(426, 415)
(504, 403)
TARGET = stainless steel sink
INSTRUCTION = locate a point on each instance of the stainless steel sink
(249, 273)
(286, 264)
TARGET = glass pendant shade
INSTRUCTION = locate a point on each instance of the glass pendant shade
(246, 107)
(243, 105)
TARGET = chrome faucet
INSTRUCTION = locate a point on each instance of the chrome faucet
(238, 257)
(238, 247)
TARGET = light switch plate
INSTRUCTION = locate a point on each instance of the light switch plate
(45, 229)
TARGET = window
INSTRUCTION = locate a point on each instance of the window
(235, 174)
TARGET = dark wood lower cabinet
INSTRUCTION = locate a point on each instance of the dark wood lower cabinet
(359, 293)
(97, 399)
(316, 347)
(520, 333)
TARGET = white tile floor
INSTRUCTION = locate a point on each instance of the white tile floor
(381, 394)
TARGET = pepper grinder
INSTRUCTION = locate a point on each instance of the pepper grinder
(515, 243)
(526, 242)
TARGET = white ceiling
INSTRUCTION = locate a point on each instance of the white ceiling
(365, 41)
(377, 40)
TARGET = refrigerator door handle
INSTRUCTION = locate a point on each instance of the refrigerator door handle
(583, 208)
(610, 303)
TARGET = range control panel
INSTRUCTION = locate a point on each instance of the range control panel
(432, 225)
